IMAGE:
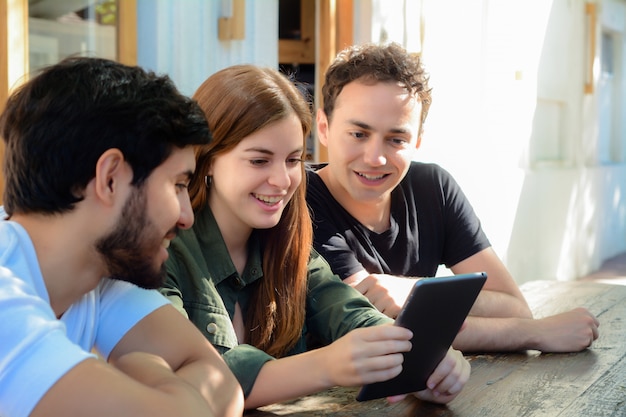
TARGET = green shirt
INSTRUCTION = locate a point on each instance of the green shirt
(203, 284)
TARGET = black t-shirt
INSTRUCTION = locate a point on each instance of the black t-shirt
(432, 223)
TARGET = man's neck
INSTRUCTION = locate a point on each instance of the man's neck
(372, 214)
(67, 260)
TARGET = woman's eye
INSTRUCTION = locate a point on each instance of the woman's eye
(258, 161)
(294, 161)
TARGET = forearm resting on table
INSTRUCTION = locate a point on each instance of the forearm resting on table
(492, 334)
(570, 331)
(217, 385)
(388, 293)
(287, 378)
(153, 372)
(361, 356)
(500, 304)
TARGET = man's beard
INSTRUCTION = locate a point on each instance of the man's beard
(129, 250)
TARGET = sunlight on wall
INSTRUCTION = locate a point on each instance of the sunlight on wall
(510, 122)
(483, 63)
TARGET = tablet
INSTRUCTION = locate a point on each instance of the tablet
(434, 311)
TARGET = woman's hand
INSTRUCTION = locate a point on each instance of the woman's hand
(448, 379)
(367, 355)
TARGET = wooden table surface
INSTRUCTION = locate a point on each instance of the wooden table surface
(591, 383)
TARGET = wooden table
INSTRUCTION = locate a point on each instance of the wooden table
(591, 383)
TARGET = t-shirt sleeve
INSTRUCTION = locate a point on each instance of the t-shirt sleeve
(335, 249)
(34, 349)
(464, 235)
(122, 305)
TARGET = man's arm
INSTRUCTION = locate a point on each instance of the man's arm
(500, 296)
(162, 367)
(500, 319)
(96, 388)
(169, 335)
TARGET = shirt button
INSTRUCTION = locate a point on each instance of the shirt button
(211, 328)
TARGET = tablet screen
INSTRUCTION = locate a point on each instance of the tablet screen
(434, 311)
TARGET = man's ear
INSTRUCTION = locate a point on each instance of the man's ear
(322, 127)
(110, 172)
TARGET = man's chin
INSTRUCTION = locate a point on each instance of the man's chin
(147, 280)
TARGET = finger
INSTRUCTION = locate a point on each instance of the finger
(453, 383)
(379, 341)
(364, 285)
(386, 348)
(378, 370)
(383, 333)
(428, 395)
(443, 368)
(388, 307)
(396, 398)
(452, 369)
(596, 333)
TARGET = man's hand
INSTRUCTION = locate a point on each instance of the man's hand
(571, 331)
(388, 293)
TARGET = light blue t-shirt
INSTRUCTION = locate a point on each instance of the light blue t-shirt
(36, 348)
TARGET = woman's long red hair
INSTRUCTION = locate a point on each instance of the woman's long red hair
(238, 101)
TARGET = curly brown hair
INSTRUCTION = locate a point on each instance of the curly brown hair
(373, 63)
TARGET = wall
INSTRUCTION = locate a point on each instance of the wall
(509, 118)
(511, 122)
(182, 41)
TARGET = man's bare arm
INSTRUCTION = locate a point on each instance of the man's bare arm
(162, 367)
(500, 297)
(500, 319)
(168, 334)
(148, 388)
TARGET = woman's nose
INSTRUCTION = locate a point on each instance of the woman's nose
(279, 176)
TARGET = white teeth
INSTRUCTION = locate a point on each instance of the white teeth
(166, 243)
(371, 177)
(268, 199)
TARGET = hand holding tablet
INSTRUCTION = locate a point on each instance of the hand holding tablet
(434, 311)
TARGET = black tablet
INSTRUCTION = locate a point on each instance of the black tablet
(434, 311)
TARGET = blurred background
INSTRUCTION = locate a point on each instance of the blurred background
(528, 111)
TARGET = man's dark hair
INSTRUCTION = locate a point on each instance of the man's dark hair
(372, 63)
(59, 123)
